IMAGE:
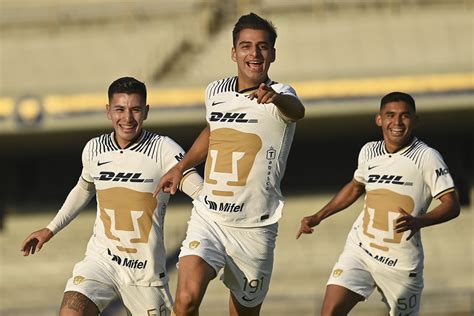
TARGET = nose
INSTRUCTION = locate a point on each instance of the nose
(128, 116)
(399, 119)
(255, 51)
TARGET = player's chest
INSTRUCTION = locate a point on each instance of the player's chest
(391, 171)
(235, 109)
(123, 167)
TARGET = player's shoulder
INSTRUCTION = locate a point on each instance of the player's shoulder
(419, 151)
(103, 142)
(147, 141)
(373, 149)
(279, 86)
(228, 84)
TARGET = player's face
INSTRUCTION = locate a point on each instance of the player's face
(127, 113)
(397, 121)
(253, 54)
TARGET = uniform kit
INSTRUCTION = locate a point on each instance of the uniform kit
(126, 252)
(234, 219)
(375, 255)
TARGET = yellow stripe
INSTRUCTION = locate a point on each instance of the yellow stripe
(55, 104)
(6, 106)
(381, 86)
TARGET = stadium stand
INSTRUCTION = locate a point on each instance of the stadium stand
(58, 57)
(90, 42)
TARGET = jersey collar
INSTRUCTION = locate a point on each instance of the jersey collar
(268, 82)
(402, 150)
(137, 140)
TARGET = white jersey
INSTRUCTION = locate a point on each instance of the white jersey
(128, 230)
(248, 148)
(407, 179)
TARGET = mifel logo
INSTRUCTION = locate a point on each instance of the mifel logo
(78, 279)
(336, 273)
(194, 244)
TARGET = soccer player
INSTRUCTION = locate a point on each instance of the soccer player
(399, 175)
(233, 226)
(125, 256)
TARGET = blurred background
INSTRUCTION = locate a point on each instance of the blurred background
(57, 59)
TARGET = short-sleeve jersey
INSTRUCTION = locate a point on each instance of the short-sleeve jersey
(128, 230)
(407, 179)
(248, 149)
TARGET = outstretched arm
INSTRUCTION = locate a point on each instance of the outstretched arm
(447, 210)
(76, 200)
(289, 105)
(197, 154)
(343, 199)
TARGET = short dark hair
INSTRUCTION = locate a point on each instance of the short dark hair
(127, 85)
(398, 97)
(253, 21)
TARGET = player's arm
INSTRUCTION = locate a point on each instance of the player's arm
(448, 209)
(196, 155)
(343, 199)
(289, 105)
(191, 183)
(76, 200)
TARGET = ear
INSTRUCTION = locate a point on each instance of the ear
(273, 55)
(416, 121)
(147, 108)
(107, 111)
(378, 120)
(233, 54)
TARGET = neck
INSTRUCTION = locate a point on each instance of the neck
(393, 148)
(124, 145)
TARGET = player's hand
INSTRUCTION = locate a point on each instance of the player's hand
(35, 241)
(407, 222)
(264, 94)
(169, 182)
(307, 224)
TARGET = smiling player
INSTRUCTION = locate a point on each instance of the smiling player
(399, 175)
(251, 123)
(125, 256)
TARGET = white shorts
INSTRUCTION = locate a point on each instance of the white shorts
(360, 273)
(93, 280)
(246, 254)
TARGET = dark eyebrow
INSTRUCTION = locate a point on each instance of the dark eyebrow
(250, 42)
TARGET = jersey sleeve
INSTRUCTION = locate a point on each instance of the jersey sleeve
(436, 174)
(171, 153)
(283, 89)
(206, 100)
(86, 163)
(361, 165)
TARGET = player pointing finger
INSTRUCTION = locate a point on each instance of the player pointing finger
(264, 94)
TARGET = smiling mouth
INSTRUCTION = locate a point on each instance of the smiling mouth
(397, 131)
(255, 65)
(128, 128)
